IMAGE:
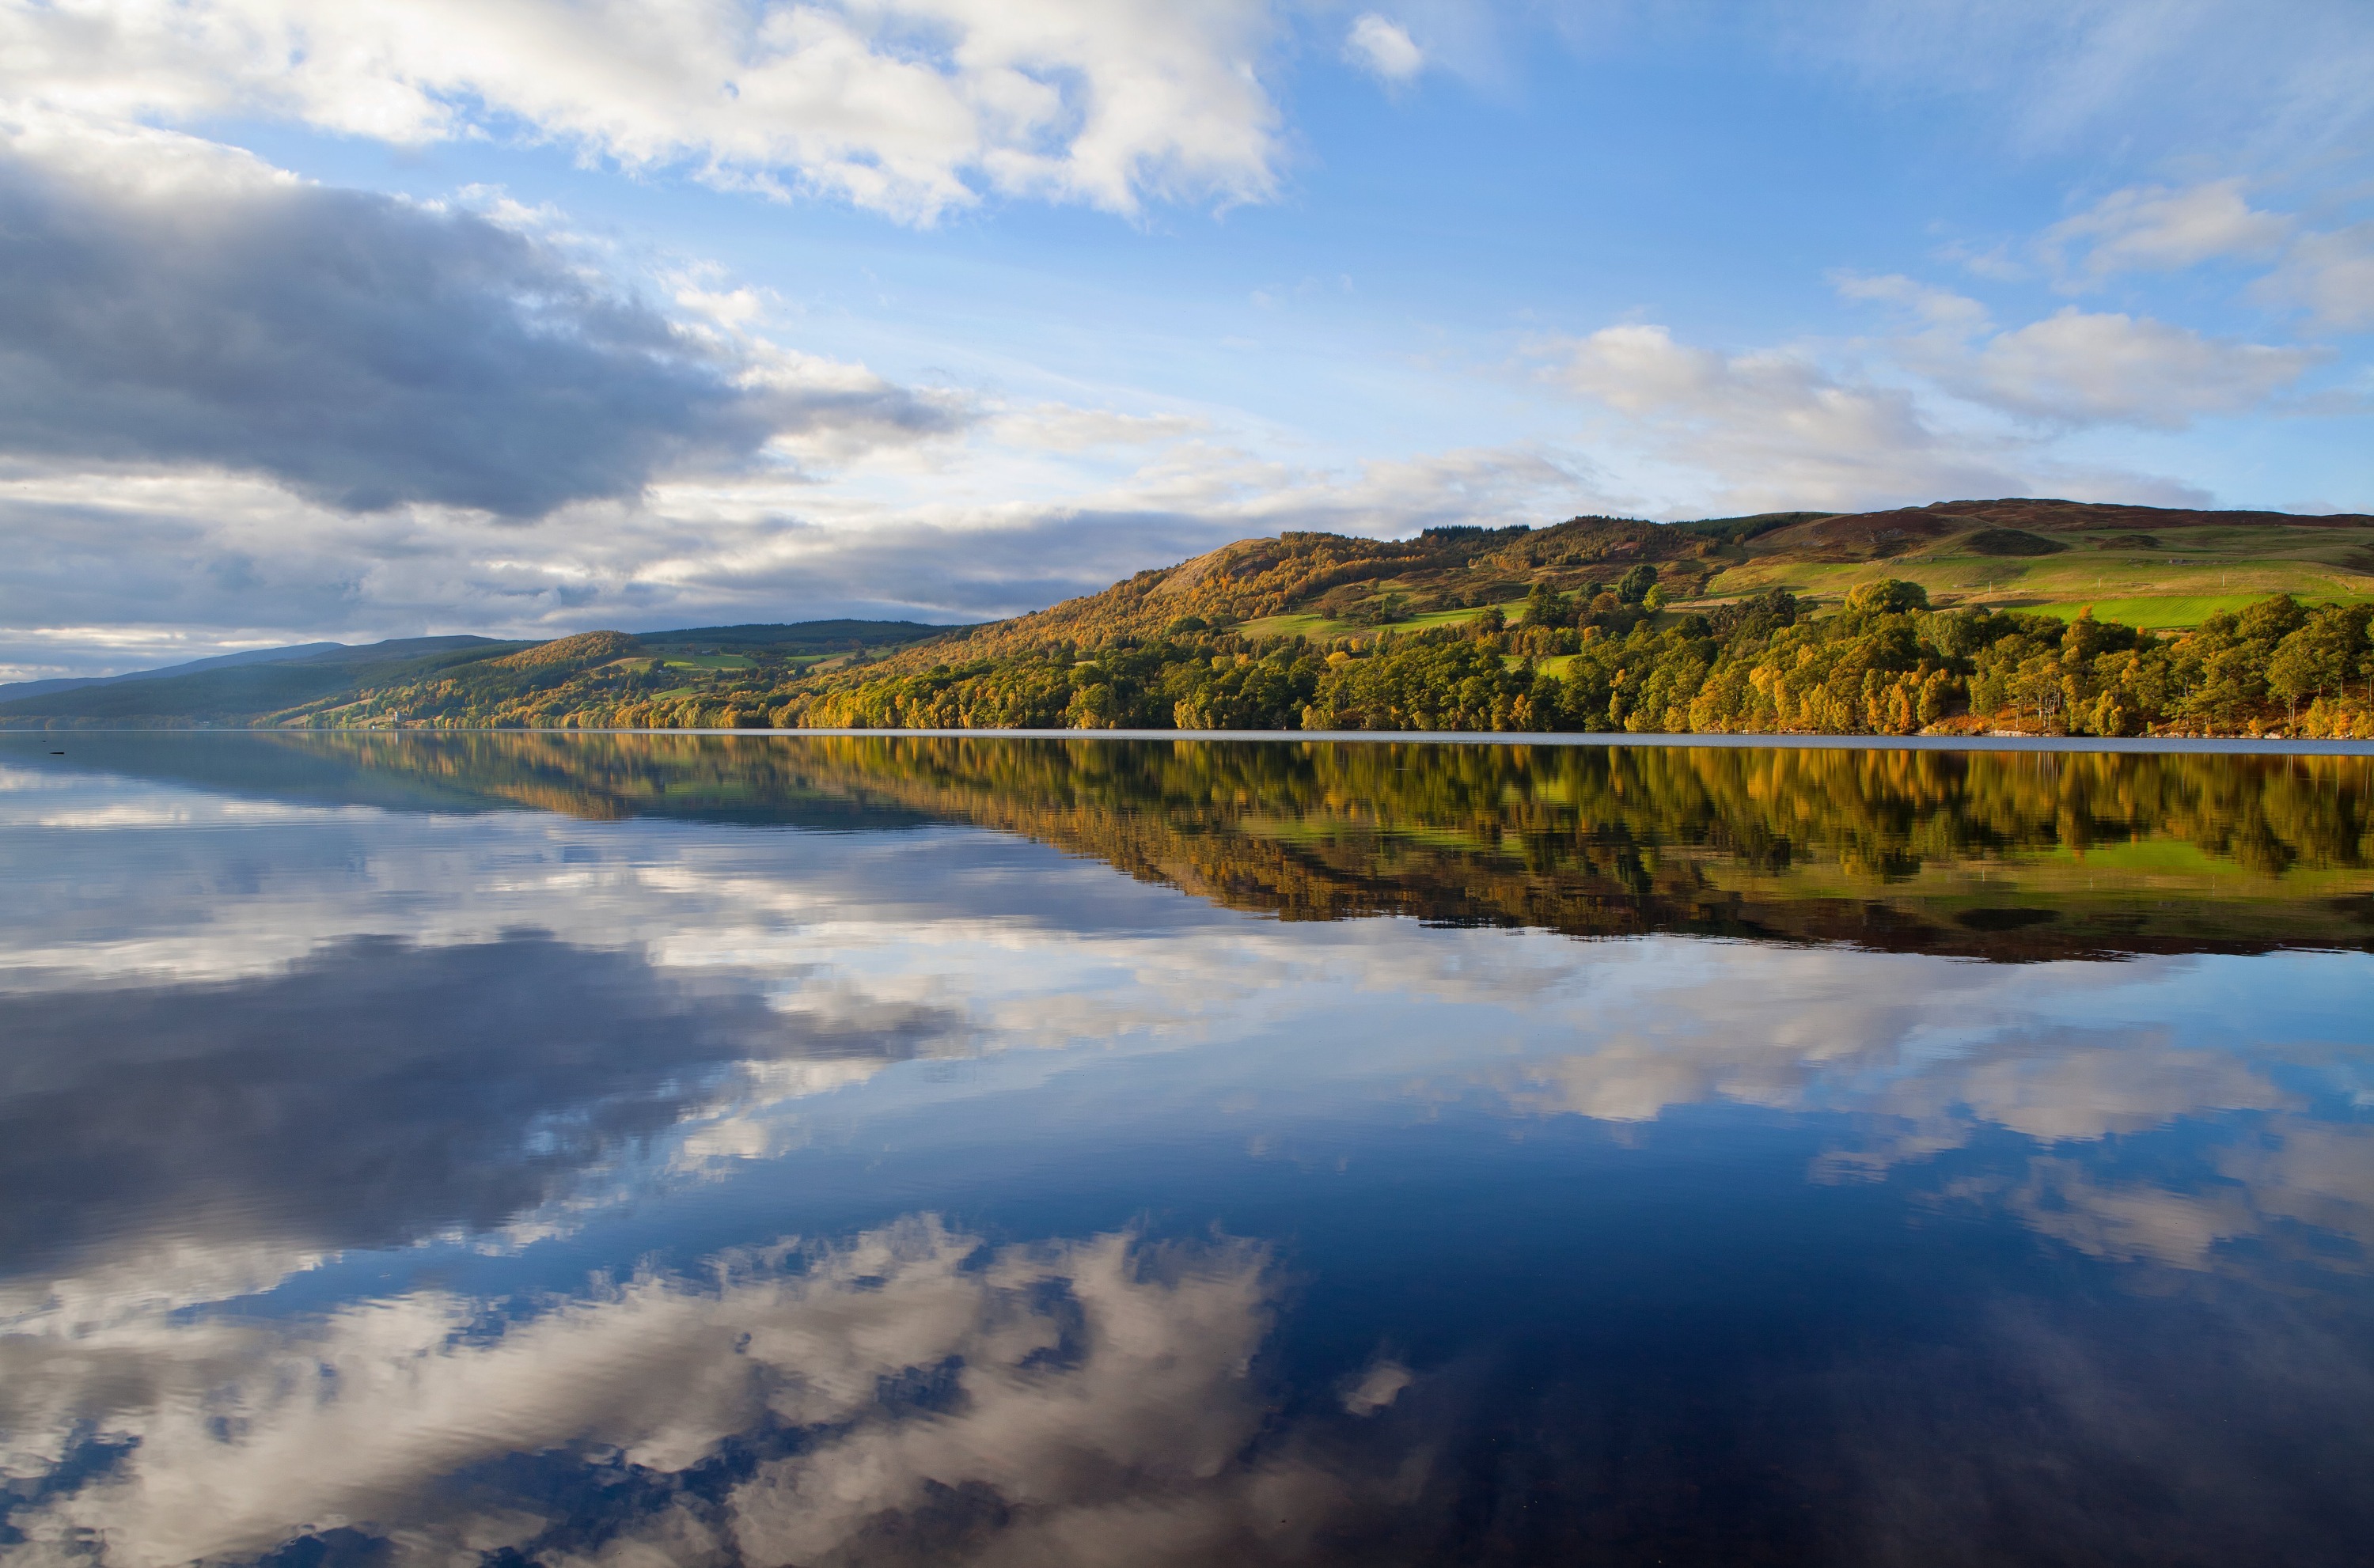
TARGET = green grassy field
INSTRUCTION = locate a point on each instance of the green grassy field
(2178, 611)
(1319, 628)
(2160, 594)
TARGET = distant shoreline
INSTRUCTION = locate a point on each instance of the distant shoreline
(2167, 745)
(2235, 746)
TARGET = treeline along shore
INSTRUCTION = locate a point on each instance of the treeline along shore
(1939, 620)
(1884, 663)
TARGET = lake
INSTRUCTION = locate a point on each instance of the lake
(628, 1150)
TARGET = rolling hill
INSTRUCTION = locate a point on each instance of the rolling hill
(2015, 613)
(2169, 567)
(336, 685)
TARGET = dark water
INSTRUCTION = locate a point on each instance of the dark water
(710, 1150)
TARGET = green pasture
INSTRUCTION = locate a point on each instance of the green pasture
(1319, 628)
(2151, 590)
(2180, 611)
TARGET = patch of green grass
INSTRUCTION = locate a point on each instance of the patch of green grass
(1319, 628)
(706, 661)
(1293, 625)
(2150, 589)
(2175, 611)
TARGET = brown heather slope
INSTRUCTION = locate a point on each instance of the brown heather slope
(1964, 552)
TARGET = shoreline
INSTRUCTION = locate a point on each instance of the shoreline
(2215, 746)
(2141, 745)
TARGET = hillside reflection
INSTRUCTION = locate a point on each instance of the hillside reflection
(515, 1149)
(1996, 854)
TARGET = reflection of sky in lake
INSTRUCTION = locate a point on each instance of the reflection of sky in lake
(435, 1184)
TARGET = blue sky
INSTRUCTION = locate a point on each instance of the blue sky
(522, 316)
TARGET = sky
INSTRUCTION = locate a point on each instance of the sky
(345, 319)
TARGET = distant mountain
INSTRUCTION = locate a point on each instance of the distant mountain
(240, 691)
(11, 691)
(298, 685)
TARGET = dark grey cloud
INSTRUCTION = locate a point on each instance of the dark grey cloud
(365, 351)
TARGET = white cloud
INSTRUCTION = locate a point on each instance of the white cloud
(1772, 429)
(2154, 228)
(1054, 426)
(1383, 48)
(1781, 428)
(1139, 1404)
(2330, 275)
(2086, 369)
(1937, 310)
(2079, 368)
(907, 107)
(113, 571)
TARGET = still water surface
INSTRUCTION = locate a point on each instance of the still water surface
(649, 1149)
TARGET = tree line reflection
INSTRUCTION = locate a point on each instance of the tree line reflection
(2003, 855)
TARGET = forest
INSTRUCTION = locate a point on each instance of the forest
(1922, 620)
(1884, 663)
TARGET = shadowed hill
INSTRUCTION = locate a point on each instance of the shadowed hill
(473, 676)
(241, 692)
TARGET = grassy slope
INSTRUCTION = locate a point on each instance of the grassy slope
(2146, 566)
(2143, 565)
(2138, 565)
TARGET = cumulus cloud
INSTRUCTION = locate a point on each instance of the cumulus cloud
(364, 351)
(1101, 1387)
(2111, 368)
(1773, 428)
(2328, 274)
(907, 107)
(116, 572)
(2152, 227)
(2080, 368)
(1383, 48)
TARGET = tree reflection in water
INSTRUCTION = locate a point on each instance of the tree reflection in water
(746, 1149)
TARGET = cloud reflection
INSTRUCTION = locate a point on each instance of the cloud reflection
(245, 1044)
(369, 1095)
(912, 1394)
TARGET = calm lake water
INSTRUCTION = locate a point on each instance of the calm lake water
(670, 1150)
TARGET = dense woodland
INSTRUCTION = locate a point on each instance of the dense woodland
(1594, 625)
(1884, 663)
